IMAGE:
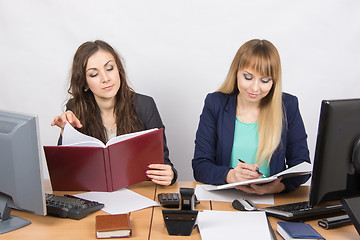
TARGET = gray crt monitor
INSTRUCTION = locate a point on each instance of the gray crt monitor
(21, 185)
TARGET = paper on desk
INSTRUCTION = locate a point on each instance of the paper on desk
(228, 195)
(120, 201)
(233, 225)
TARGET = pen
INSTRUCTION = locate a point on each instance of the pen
(257, 169)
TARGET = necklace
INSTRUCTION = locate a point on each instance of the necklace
(246, 117)
(111, 127)
(238, 115)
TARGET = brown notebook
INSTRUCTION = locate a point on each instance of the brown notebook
(111, 226)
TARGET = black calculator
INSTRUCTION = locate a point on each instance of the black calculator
(171, 200)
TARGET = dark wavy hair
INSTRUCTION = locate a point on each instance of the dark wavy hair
(83, 103)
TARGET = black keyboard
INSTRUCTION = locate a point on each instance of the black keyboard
(70, 207)
(301, 210)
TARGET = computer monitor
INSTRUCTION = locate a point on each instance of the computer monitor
(21, 185)
(337, 148)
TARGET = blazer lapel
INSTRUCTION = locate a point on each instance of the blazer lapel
(228, 129)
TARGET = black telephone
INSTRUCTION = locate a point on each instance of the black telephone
(171, 200)
(182, 220)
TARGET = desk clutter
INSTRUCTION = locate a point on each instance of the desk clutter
(212, 224)
(214, 218)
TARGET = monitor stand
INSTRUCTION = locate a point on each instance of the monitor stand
(9, 222)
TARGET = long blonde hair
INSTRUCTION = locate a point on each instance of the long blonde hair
(262, 57)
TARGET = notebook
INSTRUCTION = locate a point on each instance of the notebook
(298, 231)
(113, 226)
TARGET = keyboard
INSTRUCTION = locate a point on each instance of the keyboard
(301, 210)
(70, 207)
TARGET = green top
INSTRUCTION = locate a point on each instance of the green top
(245, 145)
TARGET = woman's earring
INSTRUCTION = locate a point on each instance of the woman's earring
(86, 89)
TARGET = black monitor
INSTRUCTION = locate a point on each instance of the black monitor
(21, 185)
(337, 148)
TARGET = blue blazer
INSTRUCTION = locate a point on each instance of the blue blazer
(215, 136)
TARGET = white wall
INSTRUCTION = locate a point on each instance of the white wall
(177, 52)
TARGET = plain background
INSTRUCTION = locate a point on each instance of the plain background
(177, 52)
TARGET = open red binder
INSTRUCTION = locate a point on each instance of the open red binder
(105, 168)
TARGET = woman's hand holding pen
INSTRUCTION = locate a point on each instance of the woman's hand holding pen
(273, 187)
(67, 116)
(243, 172)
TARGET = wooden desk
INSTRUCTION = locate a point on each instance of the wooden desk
(148, 223)
(301, 194)
(48, 227)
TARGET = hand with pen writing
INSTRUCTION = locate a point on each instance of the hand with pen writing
(244, 172)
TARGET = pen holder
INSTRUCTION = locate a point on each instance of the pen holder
(181, 222)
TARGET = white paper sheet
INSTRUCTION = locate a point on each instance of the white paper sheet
(72, 137)
(233, 225)
(120, 201)
(229, 195)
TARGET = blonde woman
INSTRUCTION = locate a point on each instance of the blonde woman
(249, 128)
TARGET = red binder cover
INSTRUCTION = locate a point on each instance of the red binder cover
(104, 169)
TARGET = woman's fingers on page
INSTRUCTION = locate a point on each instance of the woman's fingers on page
(72, 119)
(246, 189)
(269, 188)
(252, 189)
(54, 122)
(67, 116)
(58, 121)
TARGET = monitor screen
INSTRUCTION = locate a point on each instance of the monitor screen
(21, 185)
(334, 175)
